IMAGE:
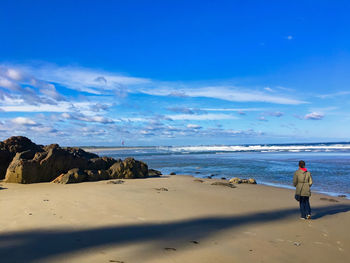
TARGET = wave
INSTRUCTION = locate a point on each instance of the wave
(259, 148)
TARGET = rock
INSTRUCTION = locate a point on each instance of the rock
(17, 144)
(224, 184)
(22, 161)
(5, 159)
(101, 163)
(235, 180)
(154, 173)
(172, 173)
(343, 196)
(251, 181)
(223, 178)
(10, 147)
(72, 176)
(45, 165)
(129, 168)
(96, 175)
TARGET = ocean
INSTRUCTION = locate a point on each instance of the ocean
(272, 164)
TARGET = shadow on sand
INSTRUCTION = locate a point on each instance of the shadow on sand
(32, 246)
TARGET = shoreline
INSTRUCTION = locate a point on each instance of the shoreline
(168, 219)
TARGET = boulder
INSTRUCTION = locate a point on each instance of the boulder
(72, 176)
(44, 166)
(129, 168)
(101, 163)
(154, 173)
(251, 181)
(10, 147)
(5, 159)
(237, 180)
(96, 175)
(17, 144)
(22, 161)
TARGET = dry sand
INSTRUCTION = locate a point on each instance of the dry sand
(191, 222)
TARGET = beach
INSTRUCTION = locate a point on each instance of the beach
(168, 219)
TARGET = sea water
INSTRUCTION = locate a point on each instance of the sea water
(329, 163)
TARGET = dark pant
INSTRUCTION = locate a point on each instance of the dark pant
(305, 208)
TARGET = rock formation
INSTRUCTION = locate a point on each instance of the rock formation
(22, 161)
(237, 180)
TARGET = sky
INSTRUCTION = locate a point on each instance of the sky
(143, 73)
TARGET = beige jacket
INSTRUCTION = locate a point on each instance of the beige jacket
(302, 181)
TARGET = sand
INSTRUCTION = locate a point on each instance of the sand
(168, 219)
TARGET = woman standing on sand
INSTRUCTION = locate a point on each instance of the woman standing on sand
(302, 180)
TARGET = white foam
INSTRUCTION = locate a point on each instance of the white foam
(260, 148)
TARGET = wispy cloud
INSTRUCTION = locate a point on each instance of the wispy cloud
(202, 117)
(235, 94)
(333, 95)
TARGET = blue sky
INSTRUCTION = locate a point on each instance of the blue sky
(175, 72)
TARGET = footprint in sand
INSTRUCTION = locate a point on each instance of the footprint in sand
(329, 199)
(198, 180)
(117, 261)
(162, 189)
(194, 242)
(170, 249)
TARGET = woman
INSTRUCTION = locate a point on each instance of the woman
(302, 180)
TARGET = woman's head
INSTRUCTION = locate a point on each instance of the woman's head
(301, 164)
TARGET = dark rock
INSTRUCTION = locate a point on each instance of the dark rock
(22, 161)
(10, 147)
(343, 196)
(197, 172)
(172, 173)
(224, 184)
(44, 166)
(223, 178)
(129, 168)
(154, 173)
(17, 144)
(101, 163)
(96, 175)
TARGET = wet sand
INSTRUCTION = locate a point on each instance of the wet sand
(168, 219)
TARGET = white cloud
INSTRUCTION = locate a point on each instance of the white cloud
(24, 121)
(314, 116)
(290, 37)
(85, 118)
(13, 74)
(8, 84)
(194, 126)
